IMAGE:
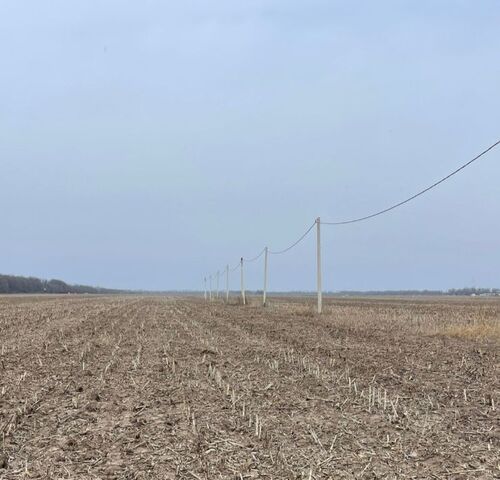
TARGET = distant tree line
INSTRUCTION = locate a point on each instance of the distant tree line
(395, 292)
(363, 293)
(16, 284)
(454, 291)
(474, 291)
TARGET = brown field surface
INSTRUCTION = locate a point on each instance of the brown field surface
(129, 387)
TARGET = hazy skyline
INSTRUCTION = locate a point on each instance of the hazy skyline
(145, 145)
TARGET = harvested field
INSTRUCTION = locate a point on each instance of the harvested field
(175, 388)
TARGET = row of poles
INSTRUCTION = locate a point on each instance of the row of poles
(318, 239)
(210, 295)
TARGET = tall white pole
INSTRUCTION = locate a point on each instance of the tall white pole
(318, 266)
(205, 294)
(264, 294)
(227, 283)
(210, 280)
(218, 275)
(242, 284)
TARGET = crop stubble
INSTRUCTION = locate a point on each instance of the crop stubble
(171, 387)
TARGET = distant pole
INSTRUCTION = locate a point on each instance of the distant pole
(242, 283)
(227, 283)
(264, 295)
(205, 294)
(218, 274)
(210, 280)
(318, 266)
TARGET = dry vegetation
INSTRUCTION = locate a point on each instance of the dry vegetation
(173, 388)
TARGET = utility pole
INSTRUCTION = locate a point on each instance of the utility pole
(244, 300)
(210, 279)
(264, 295)
(218, 274)
(318, 266)
(205, 292)
(227, 283)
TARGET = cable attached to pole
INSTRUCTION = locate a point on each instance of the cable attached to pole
(413, 197)
(279, 252)
(256, 257)
(345, 222)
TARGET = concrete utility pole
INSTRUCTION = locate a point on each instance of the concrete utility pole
(244, 300)
(210, 280)
(218, 275)
(205, 294)
(318, 266)
(227, 283)
(264, 295)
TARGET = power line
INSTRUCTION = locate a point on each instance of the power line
(279, 252)
(360, 219)
(355, 220)
(247, 260)
(256, 257)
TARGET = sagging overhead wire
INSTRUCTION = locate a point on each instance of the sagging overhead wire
(376, 214)
(256, 257)
(279, 252)
(413, 197)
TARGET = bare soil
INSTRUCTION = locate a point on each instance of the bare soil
(176, 388)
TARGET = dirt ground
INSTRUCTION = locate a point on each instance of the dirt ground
(136, 387)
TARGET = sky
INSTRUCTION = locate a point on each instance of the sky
(146, 145)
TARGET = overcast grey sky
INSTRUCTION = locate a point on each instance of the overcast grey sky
(145, 144)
